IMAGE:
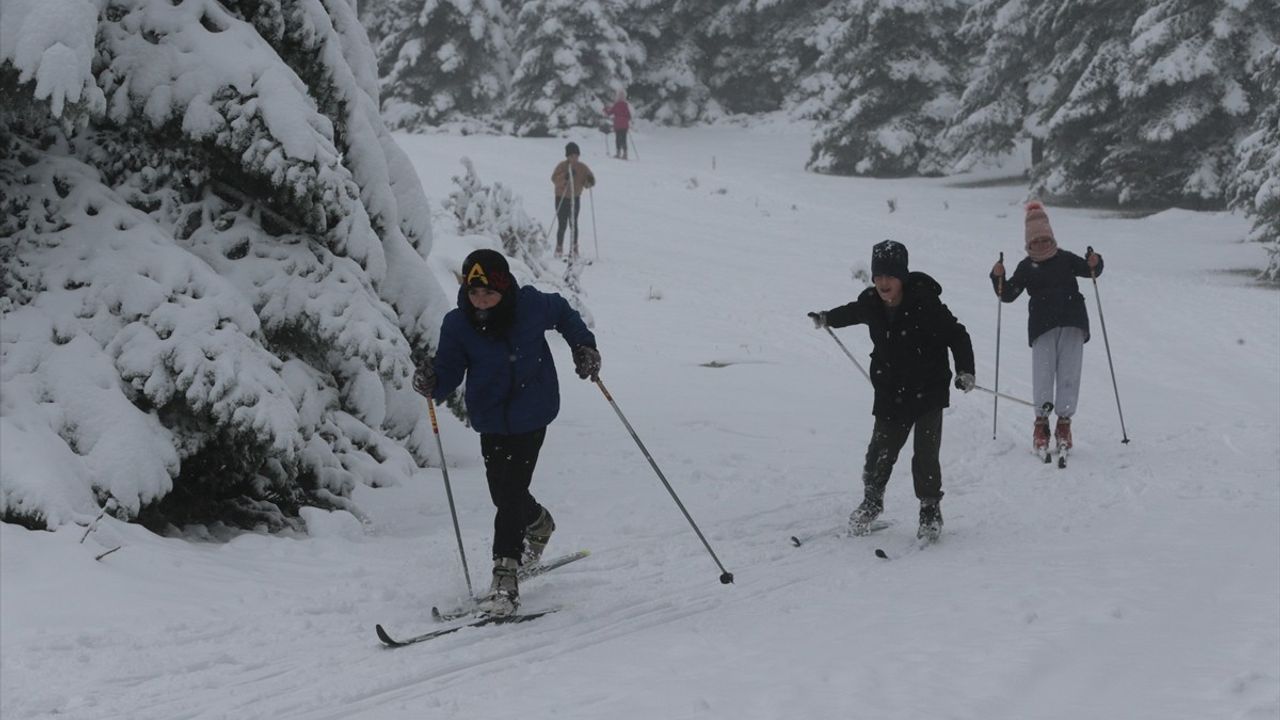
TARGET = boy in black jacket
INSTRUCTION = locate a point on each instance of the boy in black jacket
(912, 330)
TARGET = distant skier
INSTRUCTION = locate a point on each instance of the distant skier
(570, 177)
(495, 337)
(1057, 322)
(912, 330)
(621, 113)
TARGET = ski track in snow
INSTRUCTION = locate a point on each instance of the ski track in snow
(1141, 582)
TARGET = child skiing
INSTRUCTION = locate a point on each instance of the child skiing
(495, 337)
(570, 177)
(621, 113)
(912, 330)
(1057, 323)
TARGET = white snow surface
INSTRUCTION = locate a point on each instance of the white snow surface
(1141, 582)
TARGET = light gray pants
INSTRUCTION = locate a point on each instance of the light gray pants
(1056, 359)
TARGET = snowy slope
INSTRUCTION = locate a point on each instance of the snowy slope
(1142, 582)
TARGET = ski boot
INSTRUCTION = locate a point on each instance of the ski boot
(503, 597)
(862, 517)
(1062, 433)
(536, 537)
(930, 520)
(1040, 438)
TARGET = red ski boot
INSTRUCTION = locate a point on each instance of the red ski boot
(1062, 433)
(1040, 436)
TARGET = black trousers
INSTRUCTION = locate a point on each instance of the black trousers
(620, 142)
(887, 440)
(508, 466)
(565, 207)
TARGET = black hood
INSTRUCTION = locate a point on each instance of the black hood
(918, 283)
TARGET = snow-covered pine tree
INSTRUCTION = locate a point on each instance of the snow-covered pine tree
(754, 52)
(1255, 185)
(573, 54)
(1078, 112)
(1186, 100)
(893, 76)
(668, 86)
(1002, 84)
(441, 60)
(495, 210)
(211, 263)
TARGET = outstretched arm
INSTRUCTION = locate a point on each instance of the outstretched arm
(854, 313)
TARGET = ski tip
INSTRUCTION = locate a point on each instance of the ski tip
(881, 554)
(384, 637)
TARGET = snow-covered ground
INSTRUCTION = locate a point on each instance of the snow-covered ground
(1141, 582)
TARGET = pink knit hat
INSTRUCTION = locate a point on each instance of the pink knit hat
(1037, 222)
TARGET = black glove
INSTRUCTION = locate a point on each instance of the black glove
(965, 381)
(819, 319)
(424, 379)
(586, 361)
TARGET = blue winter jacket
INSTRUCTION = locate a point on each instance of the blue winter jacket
(512, 386)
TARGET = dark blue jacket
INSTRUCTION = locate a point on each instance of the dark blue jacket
(511, 379)
(909, 366)
(1055, 295)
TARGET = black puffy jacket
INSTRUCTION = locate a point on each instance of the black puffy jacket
(909, 366)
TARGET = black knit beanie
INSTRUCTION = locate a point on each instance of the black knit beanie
(889, 258)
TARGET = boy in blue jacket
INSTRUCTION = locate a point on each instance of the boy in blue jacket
(496, 339)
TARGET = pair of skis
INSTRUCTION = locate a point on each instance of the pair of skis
(469, 609)
(1059, 451)
(842, 531)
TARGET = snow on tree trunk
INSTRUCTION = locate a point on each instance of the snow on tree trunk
(208, 211)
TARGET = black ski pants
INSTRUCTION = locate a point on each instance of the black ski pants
(564, 208)
(620, 143)
(887, 439)
(508, 464)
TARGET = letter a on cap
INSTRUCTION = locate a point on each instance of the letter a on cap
(477, 272)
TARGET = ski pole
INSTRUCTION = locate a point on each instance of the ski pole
(1103, 321)
(448, 489)
(591, 195)
(1020, 401)
(631, 137)
(995, 407)
(849, 354)
(726, 577)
